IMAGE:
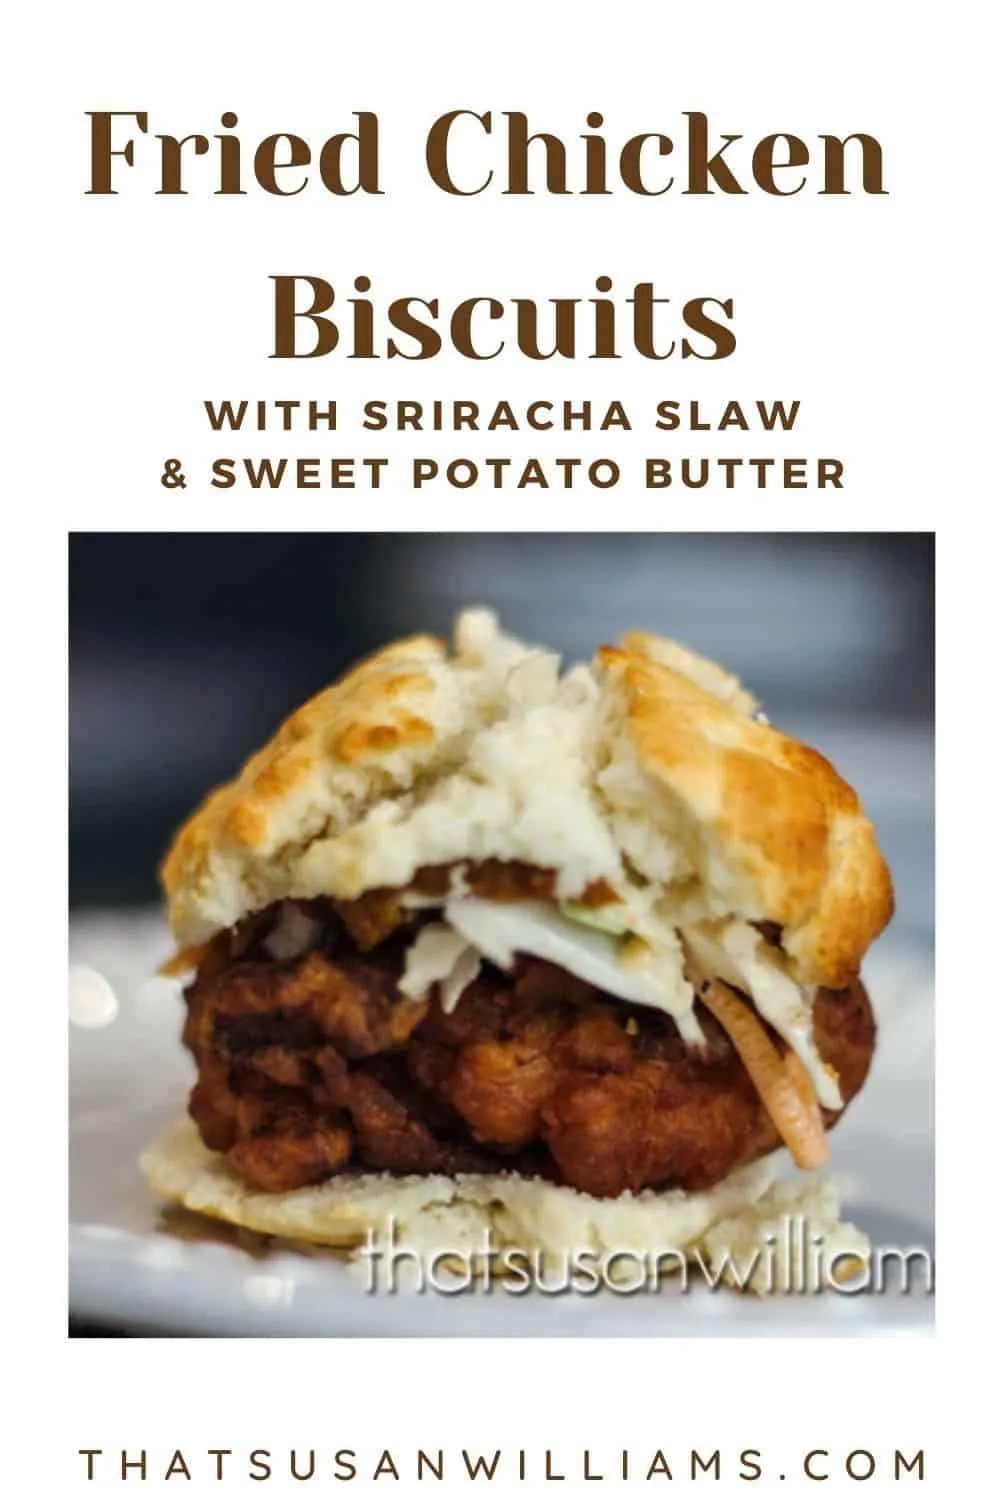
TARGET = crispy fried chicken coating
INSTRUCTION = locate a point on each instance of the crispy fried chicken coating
(316, 1064)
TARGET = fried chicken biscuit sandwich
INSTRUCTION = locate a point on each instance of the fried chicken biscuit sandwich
(473, 940)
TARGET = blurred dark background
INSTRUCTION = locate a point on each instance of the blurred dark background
(187, 649)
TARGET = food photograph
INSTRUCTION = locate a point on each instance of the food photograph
(489, 934)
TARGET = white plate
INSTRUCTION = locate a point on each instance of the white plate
(132, 1266)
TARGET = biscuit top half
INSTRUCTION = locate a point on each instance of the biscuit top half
(650, 771)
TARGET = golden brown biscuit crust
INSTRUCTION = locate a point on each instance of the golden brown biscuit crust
(783, 831)
(375, 714)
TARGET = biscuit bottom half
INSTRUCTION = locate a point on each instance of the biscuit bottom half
(473, 1229)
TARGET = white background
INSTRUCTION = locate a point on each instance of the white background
(130, 311)
(866, 309)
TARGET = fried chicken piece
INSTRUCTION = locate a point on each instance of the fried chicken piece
(533, 1070)
(351, 1002)
(294, 1151)
(844, 1029)
(389, 1134)
(212, 1104)
(682, 1117)
(614, 1125)
(500, 1089)
(373, 917)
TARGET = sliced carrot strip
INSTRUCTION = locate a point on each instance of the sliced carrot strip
(782, 1088)
(800, 1078)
